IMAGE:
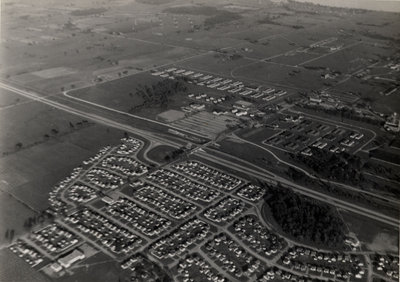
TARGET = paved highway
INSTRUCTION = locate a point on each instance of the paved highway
(260, 174)
(345, 186)
(314, 194)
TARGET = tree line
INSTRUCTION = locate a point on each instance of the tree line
(345, 113)
(341, 167)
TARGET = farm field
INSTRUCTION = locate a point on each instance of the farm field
(118, 94)
(278, 75)
(9, 99)
(219, 64)
(9, 220)
(174, 140)
(25, 174)
(370, 91)
(14, 269)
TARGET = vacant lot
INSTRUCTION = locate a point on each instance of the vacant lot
(159, 153)
(377, 236)
(119, 94)
(265, 48)
(258, 135)
(351, 57)
(9, 208)
(369, 90)
(9, 99)
(15, 269)
(219, 64)
(279, 75)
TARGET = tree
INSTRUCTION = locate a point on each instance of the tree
(305, 218)
(11, 234)
(18, 145)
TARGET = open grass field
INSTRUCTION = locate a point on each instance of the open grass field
(278, 75)
(219, 64)
(81, 45)
(9, 207)
(30, 177)
(265, 48)
(121, 95)
(351, 57)
(258, 135)
(370, 91)
(8, 99)
(39, 118)
(159, 153)
(76, 49)
(30, 171)
(15, 269)
(378, 237)
(116, 94)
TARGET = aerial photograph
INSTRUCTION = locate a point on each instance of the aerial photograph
(199, 140)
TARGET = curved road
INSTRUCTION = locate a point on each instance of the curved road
(314, 194)
(348, 187)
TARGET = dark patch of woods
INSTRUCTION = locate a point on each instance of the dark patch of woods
(304, 218)
(160, 93)
(341, 167)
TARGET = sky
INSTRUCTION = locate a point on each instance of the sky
(381, 5)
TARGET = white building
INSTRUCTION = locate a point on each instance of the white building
(72, 257)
